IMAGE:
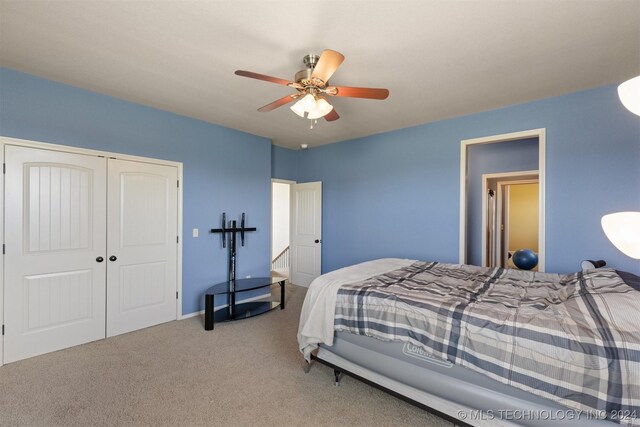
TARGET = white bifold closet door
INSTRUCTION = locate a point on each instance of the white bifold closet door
(91, 248)
(141, 248)
(55, 222)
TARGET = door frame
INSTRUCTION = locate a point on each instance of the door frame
(2, 239)
(485, 187)
(108, 154)
(282, 181)
(514, 136)
(504, 203)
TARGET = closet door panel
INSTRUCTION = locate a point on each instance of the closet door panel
(142, 246)
(55, 222)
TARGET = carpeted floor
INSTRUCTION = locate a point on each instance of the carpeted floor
(245, 373)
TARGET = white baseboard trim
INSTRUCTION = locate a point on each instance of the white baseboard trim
(201, 312)
(190, 315)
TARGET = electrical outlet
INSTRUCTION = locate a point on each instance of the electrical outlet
(195, 232)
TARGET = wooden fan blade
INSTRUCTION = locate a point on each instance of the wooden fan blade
(279, 103)
(253, 75)
(328, 63)
(358, 92)
(333, 115)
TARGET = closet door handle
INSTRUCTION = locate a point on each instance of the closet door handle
(112, 258)
(99, 259)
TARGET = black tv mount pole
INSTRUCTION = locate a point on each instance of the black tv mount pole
(232, 230)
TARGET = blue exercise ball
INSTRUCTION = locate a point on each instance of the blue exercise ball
(525, 259)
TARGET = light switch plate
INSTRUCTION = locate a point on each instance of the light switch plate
(195, 232)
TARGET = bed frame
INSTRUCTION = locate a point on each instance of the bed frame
(473, 404)
(339, 371)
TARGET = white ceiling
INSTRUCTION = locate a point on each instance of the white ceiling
(439, 59)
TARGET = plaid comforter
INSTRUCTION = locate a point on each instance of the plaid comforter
(574, 339)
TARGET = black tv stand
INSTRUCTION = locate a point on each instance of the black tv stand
(232, 287)
(242, 310)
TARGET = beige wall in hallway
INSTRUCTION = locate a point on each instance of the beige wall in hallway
(279, 217)
(523, 217)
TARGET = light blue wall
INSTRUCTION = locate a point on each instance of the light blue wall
(397, 194)
(509, 156)
(224, 170)
(284, 163)
(393, 194)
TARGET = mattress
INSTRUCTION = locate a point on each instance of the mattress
(410, 365)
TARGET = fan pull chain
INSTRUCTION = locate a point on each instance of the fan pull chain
(313, 122)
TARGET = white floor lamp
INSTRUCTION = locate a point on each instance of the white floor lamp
(623, 228)
(629, 94)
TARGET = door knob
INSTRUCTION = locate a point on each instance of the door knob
(318, 241)
(112, 258)
(99, 259)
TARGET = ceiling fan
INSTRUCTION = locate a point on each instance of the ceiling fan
(312, 85)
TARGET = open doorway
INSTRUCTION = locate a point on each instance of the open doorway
(510, 216)
(296, 230)
(280, 227)
(506, 153)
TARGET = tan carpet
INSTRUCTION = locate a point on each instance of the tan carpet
(245, 373)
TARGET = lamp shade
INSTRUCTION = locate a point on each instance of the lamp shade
(322, 109)
(629, 93)
(305, 105)
(623, 229)
(308, 102)
(297, 108)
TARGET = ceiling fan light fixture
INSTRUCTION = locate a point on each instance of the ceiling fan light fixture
(305, 105)
(312, 86)
(321, 109)
(308, 102)
(297, 108)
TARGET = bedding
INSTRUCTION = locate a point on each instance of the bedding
(318, 310)
(569, 338)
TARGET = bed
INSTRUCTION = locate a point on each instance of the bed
(484, 346)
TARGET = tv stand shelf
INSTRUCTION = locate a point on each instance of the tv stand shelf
(243, 310)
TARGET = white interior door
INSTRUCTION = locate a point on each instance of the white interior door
(142, 245)
(55, 222)
(306, 232)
